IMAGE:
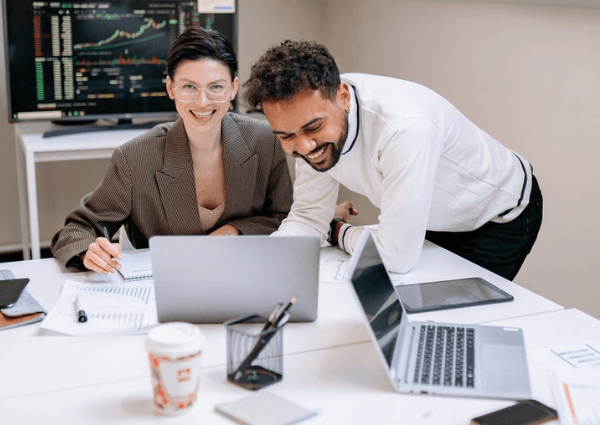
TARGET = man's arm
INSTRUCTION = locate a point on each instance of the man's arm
(315, 197)
(408, 163)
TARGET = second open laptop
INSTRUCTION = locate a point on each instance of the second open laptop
(435, 358)
(212, 279)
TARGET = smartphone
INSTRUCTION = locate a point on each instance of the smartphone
(526, 412)
(445, 294)
(10, 291)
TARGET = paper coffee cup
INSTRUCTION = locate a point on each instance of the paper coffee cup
(174, 351)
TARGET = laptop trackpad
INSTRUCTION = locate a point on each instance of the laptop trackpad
(503, 366)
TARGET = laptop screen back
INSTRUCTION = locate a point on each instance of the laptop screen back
(212, 279)
(378, 298)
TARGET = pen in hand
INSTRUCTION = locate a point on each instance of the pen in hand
(80, 308)
(107, 237)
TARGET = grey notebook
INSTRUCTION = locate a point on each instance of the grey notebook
(435, 358)
(264, 408)
(212, 279)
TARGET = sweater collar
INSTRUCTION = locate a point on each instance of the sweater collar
(353, 121)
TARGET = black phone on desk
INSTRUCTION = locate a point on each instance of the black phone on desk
(10, 291)
(526, 412)
(446, 294)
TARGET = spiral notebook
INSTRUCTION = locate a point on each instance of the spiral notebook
(136, 265)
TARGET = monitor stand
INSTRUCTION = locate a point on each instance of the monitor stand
(88, 126)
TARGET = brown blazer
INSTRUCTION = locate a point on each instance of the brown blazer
(149, 188)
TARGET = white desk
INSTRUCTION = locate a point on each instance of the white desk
(33, 148)
(330, 365)
(346, 385)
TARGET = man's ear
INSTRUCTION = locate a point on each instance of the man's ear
(343, 96)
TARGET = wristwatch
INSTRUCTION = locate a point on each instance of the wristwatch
(331, 236)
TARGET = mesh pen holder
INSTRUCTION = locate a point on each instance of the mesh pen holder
(254, 355)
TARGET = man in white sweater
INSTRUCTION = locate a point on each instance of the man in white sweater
(432, 173)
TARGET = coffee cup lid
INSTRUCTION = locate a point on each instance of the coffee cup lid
(175, 338)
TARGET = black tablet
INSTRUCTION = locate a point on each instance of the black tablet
(10, 291)
(446, 294)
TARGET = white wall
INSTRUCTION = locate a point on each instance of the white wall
(529, 76)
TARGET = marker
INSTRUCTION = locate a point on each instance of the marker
(80, 307)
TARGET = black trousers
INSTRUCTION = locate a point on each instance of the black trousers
(498, 247)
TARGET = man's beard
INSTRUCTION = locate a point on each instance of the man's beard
(336, 148)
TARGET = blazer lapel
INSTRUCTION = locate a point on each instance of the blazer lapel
(176, 183)
(240, 170)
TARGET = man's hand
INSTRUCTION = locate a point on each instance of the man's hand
(345, 210)
(102, 256)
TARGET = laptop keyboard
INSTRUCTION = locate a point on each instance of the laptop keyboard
(446, 356)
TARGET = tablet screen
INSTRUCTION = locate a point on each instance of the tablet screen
(447, 294)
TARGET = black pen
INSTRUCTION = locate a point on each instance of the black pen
(80, 308)
(105, 232)
(107, 236)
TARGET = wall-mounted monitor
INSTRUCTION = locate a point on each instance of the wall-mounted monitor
(87, 60)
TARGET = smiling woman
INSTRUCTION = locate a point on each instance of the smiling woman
(211, 172)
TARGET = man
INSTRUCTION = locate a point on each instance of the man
(432, 173)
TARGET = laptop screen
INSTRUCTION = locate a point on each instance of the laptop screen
(378, 297)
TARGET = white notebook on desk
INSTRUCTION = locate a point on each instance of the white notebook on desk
(136, 265)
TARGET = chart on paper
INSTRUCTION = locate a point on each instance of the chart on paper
(577, 395)
(333, 265)
(110, 308)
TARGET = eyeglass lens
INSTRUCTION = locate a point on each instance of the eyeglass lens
(190, 92)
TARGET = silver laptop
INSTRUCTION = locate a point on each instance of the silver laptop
(436, 358)
(212, 279)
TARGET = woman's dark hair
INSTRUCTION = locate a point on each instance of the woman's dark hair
(200, 43)
(289, 68)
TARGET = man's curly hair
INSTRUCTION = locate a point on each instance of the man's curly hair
(289, 68)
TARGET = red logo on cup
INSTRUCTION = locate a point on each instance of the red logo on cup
(184, 375)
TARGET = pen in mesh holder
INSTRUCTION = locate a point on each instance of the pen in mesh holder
(254, 355)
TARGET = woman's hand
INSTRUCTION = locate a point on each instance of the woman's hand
(345, 210)
(102, 256)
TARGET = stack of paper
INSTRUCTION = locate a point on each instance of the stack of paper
(111, 308)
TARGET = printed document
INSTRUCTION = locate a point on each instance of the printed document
(111, 308)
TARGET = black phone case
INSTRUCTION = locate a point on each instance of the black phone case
(10, 291)
(526, 412)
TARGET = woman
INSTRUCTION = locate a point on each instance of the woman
(208, 173)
